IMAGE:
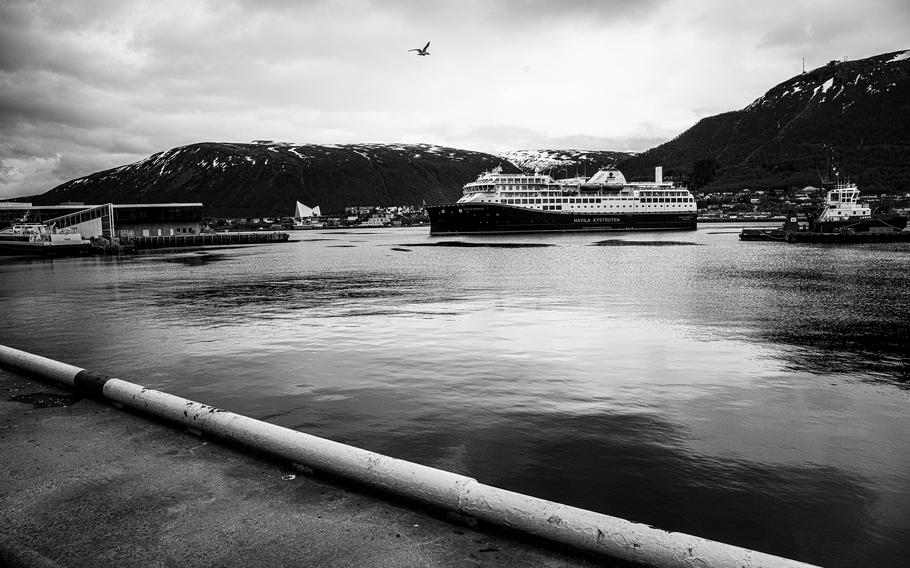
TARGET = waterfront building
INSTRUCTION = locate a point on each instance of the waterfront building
(110, 219)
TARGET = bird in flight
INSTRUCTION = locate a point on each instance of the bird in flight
(422, 51)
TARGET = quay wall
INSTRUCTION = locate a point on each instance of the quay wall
(204, 239)
(583, 530)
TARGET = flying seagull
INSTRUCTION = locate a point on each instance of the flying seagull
(422, 51)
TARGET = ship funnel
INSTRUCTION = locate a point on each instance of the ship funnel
(659, 174)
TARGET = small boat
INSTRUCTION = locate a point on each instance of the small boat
(38, 239)
(773, 233)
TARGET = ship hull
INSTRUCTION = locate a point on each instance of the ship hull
(877, 223)
(492, 218)
(12, 247)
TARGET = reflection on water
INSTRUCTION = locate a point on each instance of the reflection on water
(831, 317)
(473, 244)
(194, 259)
(625, 243)
(753, 393)
(321, 295)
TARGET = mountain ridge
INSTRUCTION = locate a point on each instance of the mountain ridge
(267, 178)
(852, 115)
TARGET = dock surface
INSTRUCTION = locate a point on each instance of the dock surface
(86, 484)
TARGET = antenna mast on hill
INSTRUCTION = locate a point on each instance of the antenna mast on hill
(804, 65)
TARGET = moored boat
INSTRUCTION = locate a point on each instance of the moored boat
(38, 239)
(533, 203)
(764, 234)
(772, 233)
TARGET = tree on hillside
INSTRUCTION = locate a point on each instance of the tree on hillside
(703, 172)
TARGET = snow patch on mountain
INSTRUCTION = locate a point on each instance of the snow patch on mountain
(363, 154)
(553, 161)
(536, 160)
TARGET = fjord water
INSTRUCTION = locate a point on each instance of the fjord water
(752, 393)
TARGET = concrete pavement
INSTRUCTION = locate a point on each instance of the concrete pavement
(85, 484)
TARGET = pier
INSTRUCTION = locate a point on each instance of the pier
(207, 239)
(467, 500)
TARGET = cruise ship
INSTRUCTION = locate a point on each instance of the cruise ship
(537, 203)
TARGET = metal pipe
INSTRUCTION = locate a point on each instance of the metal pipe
(584, 530)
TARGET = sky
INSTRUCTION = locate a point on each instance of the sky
(93, 84)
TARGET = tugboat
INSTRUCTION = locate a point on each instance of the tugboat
(844, 219)
(38, 239)
(843, 213)
(498, 202)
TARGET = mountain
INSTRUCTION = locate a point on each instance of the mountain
(850, 115)
(564, 163)
(268, 178)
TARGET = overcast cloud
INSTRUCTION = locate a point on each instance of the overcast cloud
(90, 85)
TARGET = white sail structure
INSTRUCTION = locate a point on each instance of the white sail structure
(303, 211)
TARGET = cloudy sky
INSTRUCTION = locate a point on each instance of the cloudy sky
(92, 84)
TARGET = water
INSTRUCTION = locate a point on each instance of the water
(752, 393)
